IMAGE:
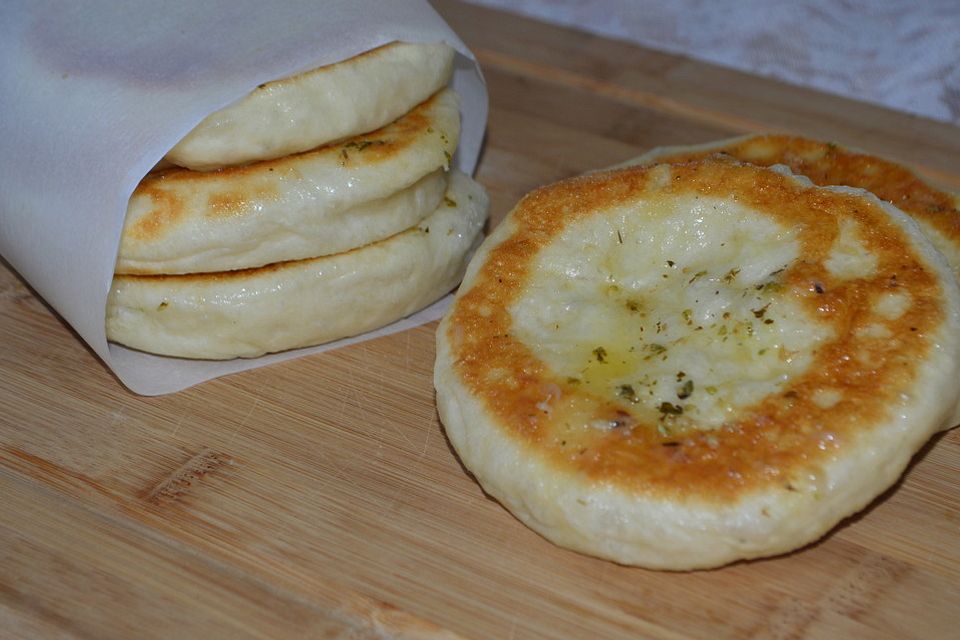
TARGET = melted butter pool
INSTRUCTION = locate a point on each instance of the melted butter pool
(673, 308)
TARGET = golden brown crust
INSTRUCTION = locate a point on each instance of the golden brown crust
(766, 445)
(826, 163)
(258, 180)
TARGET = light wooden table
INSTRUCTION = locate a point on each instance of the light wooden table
(320, 499)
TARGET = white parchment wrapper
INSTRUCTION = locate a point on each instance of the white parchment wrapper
(94, 93)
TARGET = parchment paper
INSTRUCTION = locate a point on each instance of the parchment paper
(94, 93)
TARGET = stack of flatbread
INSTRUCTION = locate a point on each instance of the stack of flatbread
(317, 207)
(714, 354)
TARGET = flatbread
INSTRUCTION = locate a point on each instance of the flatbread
(294, 304)
(307, 205)
(685, 365)
(826, 163)
(318, 107)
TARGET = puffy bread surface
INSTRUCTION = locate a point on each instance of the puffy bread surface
(685, 365)
(316, 203)
(295, 304)
(826, 163)
(318, 107)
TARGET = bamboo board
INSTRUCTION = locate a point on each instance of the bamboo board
(319, 498)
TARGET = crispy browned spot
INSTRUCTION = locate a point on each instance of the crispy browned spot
(828, 164)
(232, 202)
(768, 444)
(166, 209)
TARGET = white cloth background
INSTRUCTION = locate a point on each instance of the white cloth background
(902, 54)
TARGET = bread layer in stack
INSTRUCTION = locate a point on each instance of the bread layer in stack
(318, 207)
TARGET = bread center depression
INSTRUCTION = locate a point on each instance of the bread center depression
(670, 308)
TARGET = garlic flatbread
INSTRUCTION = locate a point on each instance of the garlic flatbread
(680, 366)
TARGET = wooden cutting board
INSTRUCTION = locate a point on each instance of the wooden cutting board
(320, 499)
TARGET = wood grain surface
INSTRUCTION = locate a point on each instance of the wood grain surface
(320, 499)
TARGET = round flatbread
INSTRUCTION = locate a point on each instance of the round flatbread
(827, 163)
(321, 202)
(318, 107)
(295, 304)
(685, 365)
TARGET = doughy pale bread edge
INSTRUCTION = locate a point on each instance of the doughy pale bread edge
(607, 522)
(317, 107)
(295, 304)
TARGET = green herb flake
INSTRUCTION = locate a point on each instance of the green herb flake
(670, 409)
(360, 145)
(696, 276)
(600, 354)
(769, 287)
(758, 313)
(626, 391)
(685, 390)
